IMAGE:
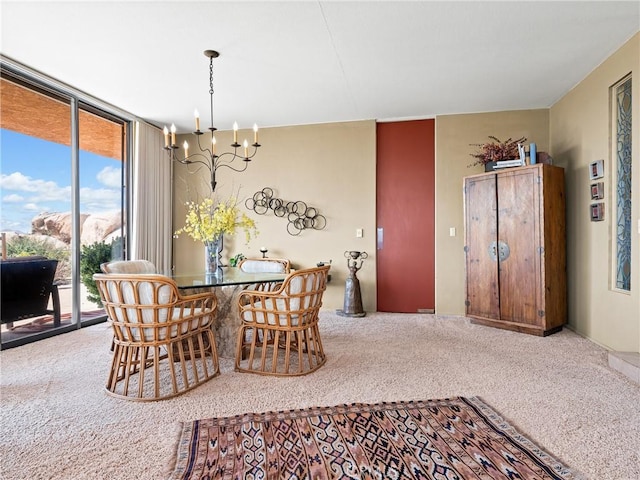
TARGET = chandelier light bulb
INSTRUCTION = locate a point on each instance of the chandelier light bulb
(255, 133)
(186, 149)
(197, 115)
(173, 134)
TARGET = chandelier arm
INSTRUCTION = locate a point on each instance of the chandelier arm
(188, 160)
(204, 150)
(234, 155)
(231, 167)
(208, 164)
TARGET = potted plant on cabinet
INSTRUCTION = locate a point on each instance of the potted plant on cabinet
(490, 152)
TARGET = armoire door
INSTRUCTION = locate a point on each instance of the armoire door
(518, 245)
(481, 246)
(405, 216)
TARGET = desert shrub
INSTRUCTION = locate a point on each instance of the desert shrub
(91, 257)
(22, 246)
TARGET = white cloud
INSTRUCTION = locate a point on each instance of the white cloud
(99, 200)
(34, 195)
(45, 190)
(13, 198)
(110, 177)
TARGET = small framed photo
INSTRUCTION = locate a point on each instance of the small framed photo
(596, 169)
(597, 191)
(597, 212)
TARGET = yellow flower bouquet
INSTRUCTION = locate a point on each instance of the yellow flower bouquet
(207, 222)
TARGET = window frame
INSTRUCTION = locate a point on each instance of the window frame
(77, 100)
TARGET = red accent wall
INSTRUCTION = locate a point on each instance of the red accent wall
(405, 177)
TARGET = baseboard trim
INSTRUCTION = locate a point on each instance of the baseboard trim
(627, 363)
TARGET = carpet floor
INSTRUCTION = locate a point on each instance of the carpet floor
(451, 438)
(58, 423)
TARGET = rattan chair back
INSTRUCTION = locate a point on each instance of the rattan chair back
(128, 266)
(263, 265)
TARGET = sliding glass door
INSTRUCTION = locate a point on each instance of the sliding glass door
(101, 201)
(63, 197)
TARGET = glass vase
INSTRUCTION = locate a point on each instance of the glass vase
(212, 256)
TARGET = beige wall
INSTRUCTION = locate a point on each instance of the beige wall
(580, 134)
(330, 167)
(454, 134)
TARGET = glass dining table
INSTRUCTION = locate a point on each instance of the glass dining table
(227, 276)
(227, 285)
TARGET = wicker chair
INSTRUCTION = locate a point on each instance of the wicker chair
(128, 266)
(163, 342)
(272, 265)
(265, 265)
(279, 333)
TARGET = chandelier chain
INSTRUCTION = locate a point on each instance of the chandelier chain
(211, 91)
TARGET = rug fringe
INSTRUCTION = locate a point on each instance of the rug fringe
(559, 466)
(170, 467)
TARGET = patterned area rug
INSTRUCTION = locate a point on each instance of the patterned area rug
(455, 438)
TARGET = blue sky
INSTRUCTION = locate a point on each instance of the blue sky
(35, 177)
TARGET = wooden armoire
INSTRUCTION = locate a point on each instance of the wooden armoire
(515, 249)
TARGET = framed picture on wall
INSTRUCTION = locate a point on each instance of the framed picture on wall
(596, 169)
(597, 191)
(597, 212)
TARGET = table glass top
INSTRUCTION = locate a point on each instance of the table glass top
(228, 276)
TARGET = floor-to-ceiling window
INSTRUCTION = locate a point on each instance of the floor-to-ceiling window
(63, 171)
(101, 182)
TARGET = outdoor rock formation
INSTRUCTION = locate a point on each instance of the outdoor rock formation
(57, 225)
(97, 228)
(93, 228)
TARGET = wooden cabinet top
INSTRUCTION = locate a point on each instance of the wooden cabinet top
(537, 166)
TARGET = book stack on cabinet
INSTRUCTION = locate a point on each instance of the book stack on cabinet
(515, 249)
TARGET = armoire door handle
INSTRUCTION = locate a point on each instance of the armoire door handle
(503, 251)
(493, 251)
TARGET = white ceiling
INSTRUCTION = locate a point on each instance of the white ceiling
(289, 63)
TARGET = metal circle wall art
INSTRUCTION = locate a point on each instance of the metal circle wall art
(299, 215)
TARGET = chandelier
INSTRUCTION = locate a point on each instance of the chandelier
(207, 156)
